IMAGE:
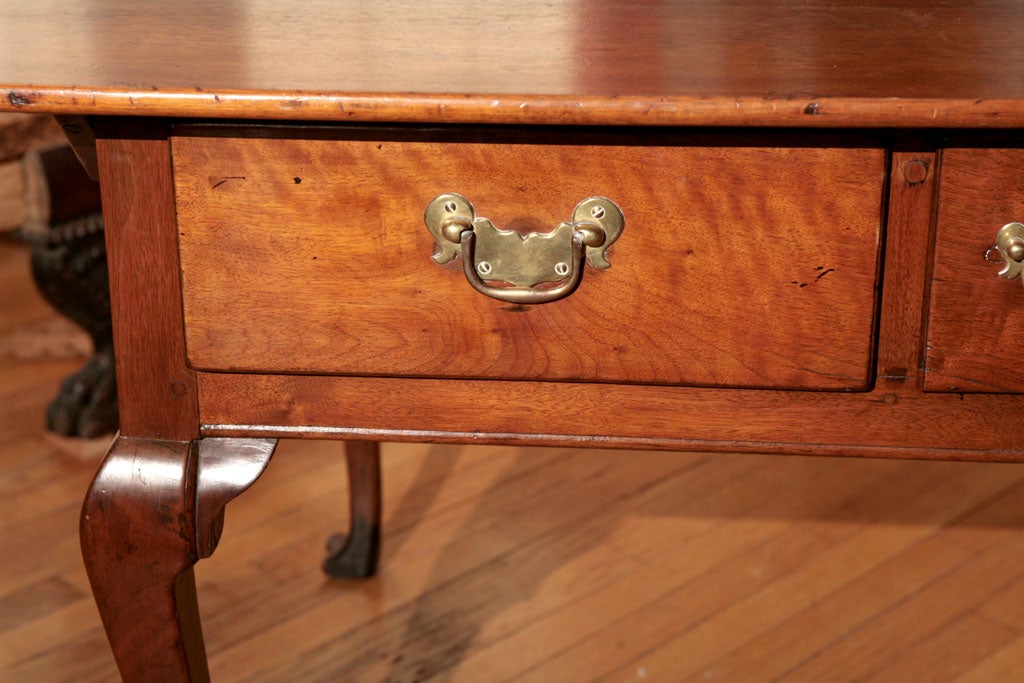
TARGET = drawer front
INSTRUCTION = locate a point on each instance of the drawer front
(975, 317)
(749, 266)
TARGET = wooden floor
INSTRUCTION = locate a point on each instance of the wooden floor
(548, 566)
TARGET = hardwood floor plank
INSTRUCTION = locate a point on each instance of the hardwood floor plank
(1007, 607)
(33, 549)
(676, 537)
(867, 561)
(955, 648)
(1005, 665)
(50, 494)
(682, 604)
(31, 602)
(879, 565)
(81, 657)
(36, 647)
(903, 626)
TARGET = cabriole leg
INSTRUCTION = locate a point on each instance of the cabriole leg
(355, 555)
(154, 509)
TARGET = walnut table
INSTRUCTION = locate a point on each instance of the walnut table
(747, 226)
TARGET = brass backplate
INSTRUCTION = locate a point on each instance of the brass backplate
(523, 260)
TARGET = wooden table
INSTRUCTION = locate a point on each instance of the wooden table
(810, 197)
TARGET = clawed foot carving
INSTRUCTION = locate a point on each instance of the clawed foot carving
(86, 404)
(69, 265)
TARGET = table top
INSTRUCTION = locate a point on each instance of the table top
(820, 63)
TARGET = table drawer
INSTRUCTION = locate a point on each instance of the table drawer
(975, 317)
(748, 265)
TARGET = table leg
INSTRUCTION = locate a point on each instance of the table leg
(355, 555)
(154, 509)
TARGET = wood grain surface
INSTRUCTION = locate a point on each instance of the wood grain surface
(889, 422)
(975, 317)
(156, 390)
(908, 244)
(935, 63)
(749, 265)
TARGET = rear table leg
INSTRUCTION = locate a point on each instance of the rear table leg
(355, 555)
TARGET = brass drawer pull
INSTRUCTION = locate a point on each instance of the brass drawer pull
(1010, 244)
(523, 261)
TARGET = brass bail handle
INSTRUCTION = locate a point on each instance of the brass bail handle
(1010, 245)
(523, 261)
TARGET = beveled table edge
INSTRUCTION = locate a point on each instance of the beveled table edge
(532, 109)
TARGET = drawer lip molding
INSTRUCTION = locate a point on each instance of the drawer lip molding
(891, 421)
(328, 270)
(631, 442)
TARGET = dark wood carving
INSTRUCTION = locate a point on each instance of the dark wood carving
(70, 269)
(69, 265)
